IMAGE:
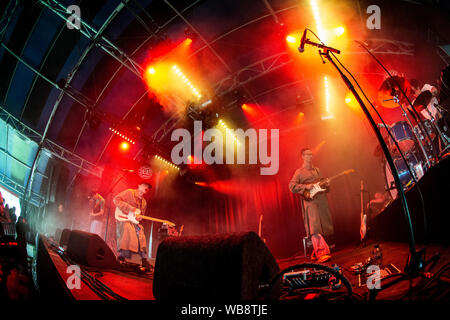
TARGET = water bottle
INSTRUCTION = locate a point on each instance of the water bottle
(377, 256)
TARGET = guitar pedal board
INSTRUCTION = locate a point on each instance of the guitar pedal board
(311, 278)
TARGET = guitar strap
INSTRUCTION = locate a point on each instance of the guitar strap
(317, 171)
(137, 227)
(138, 201)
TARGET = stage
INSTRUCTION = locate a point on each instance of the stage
(189, 150)
(131, 285)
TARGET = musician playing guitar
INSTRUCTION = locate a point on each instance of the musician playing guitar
(130, 236)
(316, 214)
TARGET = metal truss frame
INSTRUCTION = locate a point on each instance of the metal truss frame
(94, 35)
(35, 198)
(7, 15)
(53, 148)
(252, 72)
(385, 46)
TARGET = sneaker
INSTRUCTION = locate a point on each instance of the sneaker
(324, 258)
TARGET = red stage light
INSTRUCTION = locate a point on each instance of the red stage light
(352, 103)
(339, 31)
(251, 111)
(291, 39)
(299, 118)
(202, 184)
(124, 146)
(188, 41)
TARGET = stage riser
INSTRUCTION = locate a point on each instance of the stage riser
(390, 225)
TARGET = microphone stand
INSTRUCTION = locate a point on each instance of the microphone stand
(416, 258)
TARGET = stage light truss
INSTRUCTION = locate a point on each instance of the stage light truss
(166, 162)
(442, 53)
(52, 147)
(383, 46)
(251, 72)
(100, 41)
(95, 36)
(229, 131)
(7, 15)
(72, 158)
(166, 128)
(123, 136)
(35, 198)
(188, 83)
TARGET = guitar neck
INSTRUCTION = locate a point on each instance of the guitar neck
(156, 220)
(338, 175)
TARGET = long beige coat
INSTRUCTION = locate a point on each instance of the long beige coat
(316, 214)
(126, 234)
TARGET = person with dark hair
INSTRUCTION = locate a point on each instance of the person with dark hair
(316, 214)
(12, 214)
(2, 207)
(130, 236)
(4, 211)
(97, 209)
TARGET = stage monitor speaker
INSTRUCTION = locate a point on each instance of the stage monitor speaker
(90, 250)
(58, 233)
(213, 267)
(63, 237)
(50, 284)
(57, 182)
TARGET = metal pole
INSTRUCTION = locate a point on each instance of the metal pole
(398, 184)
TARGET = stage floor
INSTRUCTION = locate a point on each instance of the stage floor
(395, 253)
(132, 286)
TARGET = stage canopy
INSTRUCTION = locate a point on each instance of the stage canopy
(71, 87)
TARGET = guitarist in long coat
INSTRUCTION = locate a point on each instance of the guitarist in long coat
(316, 214)
(130, 236)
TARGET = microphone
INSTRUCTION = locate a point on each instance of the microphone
(302, 42)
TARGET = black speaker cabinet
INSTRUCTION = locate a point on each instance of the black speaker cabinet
(90, 250)
(58, 233)
(213, 267)
(63, 237)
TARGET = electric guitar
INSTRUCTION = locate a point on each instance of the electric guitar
(363, 228)
(319, 186)
(131, 216)
(259, 228)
